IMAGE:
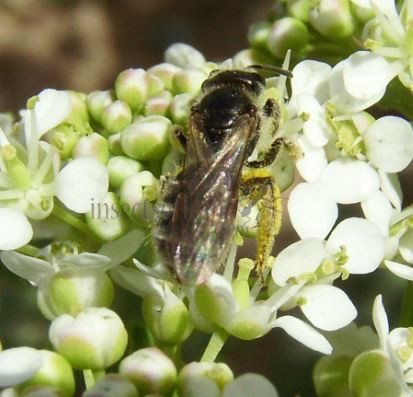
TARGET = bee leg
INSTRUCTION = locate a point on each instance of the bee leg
(180, 138)
(262, 190)
(269, 156)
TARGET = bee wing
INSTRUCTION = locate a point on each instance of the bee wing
(202, 225)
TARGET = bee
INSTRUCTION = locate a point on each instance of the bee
(195, 220)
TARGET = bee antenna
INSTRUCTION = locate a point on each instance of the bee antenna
(271, 68)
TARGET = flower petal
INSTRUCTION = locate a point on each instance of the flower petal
(312, 162)
(363, 242)
(51, 109)
(389, 152)
(390, 185)
(350, 181)
(400, 270)
(312, 210)
(15, 229)
(327, 307)
(32, 269)
(299, 258)
(87, 260)
(82, 183)
(304, 333)
(377, 209)
(18, 365)
(380, 320)
(406, 246)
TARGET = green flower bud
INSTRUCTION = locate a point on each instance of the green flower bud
(371, 375)
(106, 219)
(150, 370)
(219, 373)
(147, 139)
(299, 9)
(258, 34)
(215, 300)
(250, 56)
(166, 317)
(114, 143)
(120, 167)
(333, 18)
(94, 339)
(116, 116)
(362, 14)
(92, 145)
(330, 376)
(70, 291)
(181, 108)
(97, 101)
(188, 80)
(287, 34)
(55, 373)
(250, 323)
(172, 163)
(112, 385)
(79, 117)
(64, 139)
(184, 56)
(158, 104)
(137, 193)
(135, 86)
(165, 72)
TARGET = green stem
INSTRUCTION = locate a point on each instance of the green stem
(216, 343)
(29, 250)
(406, 317)
(72, 220)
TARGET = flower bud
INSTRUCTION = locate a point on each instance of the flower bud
(71, 290)
(93, 145)
(250, 56)
(215, 300)
(116, 116)
(97, 101)
(41, 391)
(287, 34)
(164, 71)
(250, 323)
(79, 117)
(106, 219)
(188, 80)
(158, 104)
(19, 364)
(150, 370)
(371, 374)
(166, 317)
(172, 163)
(299, 9)
(94, 339)
(330, 376)
(137, 193)
(120, 167)
(184, 56)
(135, 86)
(181, 108)
(63, 138)
(219, 373)
(112, 385)
(55, 373)
(147, 139)
(333, 18)
(114, 143)
(258, 34)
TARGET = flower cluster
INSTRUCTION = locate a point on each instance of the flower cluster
(81, 174)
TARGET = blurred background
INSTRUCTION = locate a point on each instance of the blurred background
(83, 45)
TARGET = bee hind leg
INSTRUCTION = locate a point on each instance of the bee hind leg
(260, 188)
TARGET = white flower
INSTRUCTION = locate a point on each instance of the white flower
(30, 177)
(396, 344)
